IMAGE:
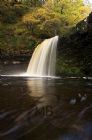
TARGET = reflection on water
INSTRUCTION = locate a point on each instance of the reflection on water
(45, 109)
(39, 88)
(36, 87)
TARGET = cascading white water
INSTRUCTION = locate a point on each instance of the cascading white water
(43, 59)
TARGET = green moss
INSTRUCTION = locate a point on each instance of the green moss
(66, 69)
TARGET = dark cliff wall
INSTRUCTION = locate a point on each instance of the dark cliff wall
(76, 49)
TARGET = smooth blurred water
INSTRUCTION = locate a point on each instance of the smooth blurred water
(43, 60)
(44, 108)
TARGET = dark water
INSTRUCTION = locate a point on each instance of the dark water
(44, 109)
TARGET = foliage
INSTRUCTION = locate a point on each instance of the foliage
(57, 17)
(11, 13)
(42, 22)
(65, 69)
(25, 23)
(70, 11)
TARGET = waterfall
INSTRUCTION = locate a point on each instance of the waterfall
(43, 59)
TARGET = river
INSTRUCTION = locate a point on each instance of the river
(44, 108)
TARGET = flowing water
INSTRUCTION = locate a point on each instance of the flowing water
(44, 108)
(43, 59)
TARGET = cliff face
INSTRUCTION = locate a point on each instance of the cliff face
(89, 23)
(76, 49)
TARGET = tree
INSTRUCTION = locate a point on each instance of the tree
(42, 22)
(56, 16)
(72, 11)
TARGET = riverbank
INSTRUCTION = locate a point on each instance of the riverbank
(15, 56)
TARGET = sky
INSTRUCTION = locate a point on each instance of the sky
(90, 1)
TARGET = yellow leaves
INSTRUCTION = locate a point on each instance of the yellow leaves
(43, 14)
(72, 11)
(43, 21)
(54, 15)
(85, 10)
(39, 16)
(53, 23)
(30, 18)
